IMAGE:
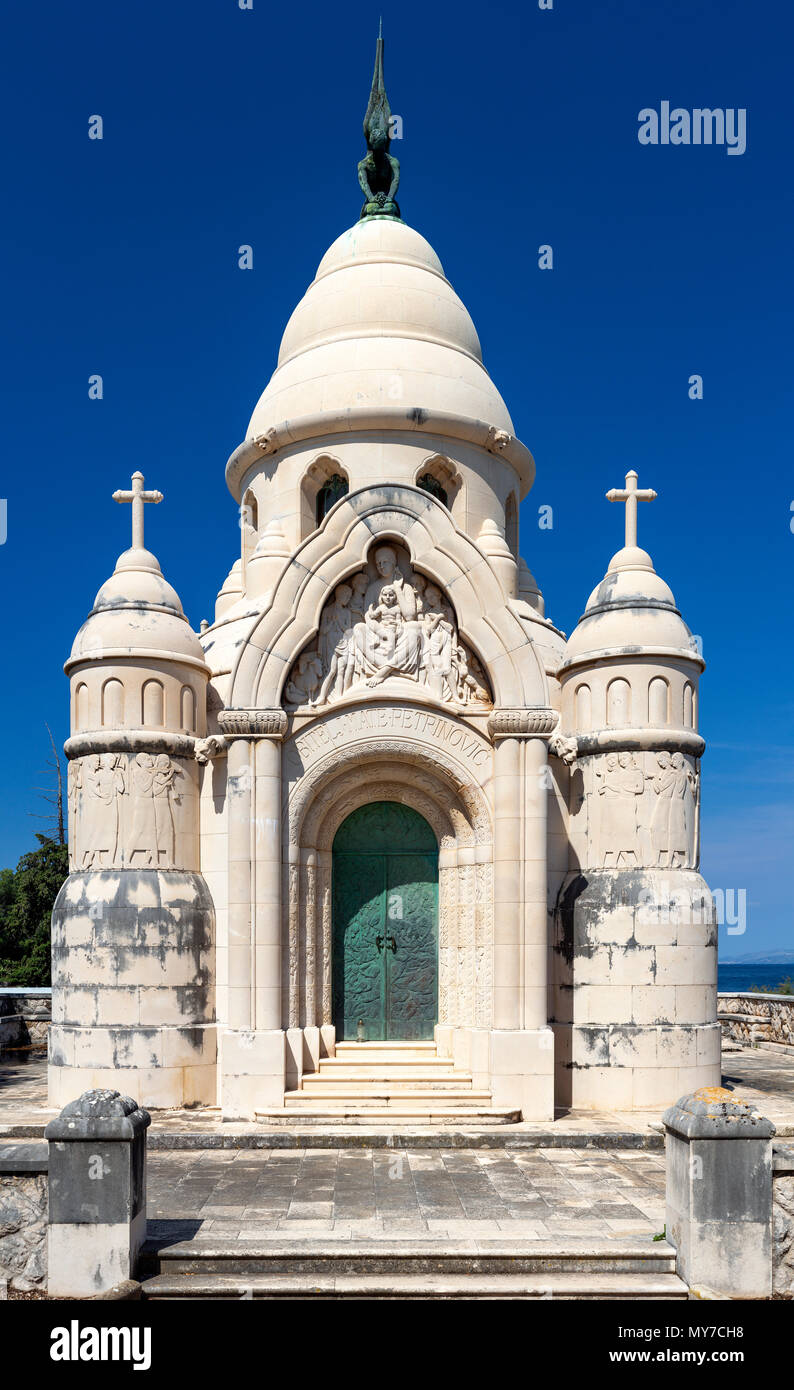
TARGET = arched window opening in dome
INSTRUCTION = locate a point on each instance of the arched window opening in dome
(439, 476)
(430, 484)
(329, 495)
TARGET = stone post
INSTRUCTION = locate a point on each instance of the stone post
(719, 1193)
(97, 1175)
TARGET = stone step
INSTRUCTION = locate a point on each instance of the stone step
(356, 1112)
(386, 1093)
(366, 1053)
(409, 1066)
(364, 1080)
(317, 1255)
(667, 1287)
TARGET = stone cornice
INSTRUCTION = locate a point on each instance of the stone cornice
(253, 723)
(365, 419)
(640, 741)
(130, 741)
(522, 723)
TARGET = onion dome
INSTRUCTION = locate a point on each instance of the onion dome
(380, 310)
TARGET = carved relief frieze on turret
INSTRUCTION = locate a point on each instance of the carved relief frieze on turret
(388, 621)
(130, 810)
(636, 810)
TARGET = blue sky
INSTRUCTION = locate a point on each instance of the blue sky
(225, 126)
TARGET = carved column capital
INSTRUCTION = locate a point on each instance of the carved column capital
(253, 723)
(522, 723)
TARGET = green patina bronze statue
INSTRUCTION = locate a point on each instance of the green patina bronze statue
(379, 171)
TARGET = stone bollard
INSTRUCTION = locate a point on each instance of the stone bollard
(719, 1193)
(97, 1193)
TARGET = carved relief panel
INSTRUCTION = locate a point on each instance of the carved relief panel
(132, 810)
(636, 810)
(387, 621)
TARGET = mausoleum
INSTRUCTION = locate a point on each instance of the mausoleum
(379, 839)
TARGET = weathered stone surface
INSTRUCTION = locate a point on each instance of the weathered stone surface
(23, 1229)
(758, 1018)
(783, 1221)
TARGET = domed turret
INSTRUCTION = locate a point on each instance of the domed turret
(631, 664)
(628, 728)
(133, 925)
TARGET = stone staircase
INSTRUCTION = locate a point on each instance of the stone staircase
(372, 1082)
(322, 1268)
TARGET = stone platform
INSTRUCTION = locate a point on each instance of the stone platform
(761, 1077)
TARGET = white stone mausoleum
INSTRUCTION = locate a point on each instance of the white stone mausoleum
(379, 838)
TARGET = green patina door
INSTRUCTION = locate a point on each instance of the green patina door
(385, 966)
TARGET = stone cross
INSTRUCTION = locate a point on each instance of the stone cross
(631, 495)
(137, 497)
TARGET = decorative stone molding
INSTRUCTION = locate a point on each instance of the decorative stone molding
(522, 723)
(214, 746)
(498, 440)
(684, 741)
(130, 741)
(364, 419)
(253, 723)
(566, 749)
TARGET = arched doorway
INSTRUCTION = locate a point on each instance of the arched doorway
(385, 923)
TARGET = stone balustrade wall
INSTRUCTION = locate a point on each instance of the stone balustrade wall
(25, 1016)
(757, 1018)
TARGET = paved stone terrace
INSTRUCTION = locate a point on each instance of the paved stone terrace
(349, 1194)
(762, 1077)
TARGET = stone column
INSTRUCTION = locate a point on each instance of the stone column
(535, 916)
(97, 1178)
(267, 878)
(521, 1043)
(240, 786)
(253, 1046)
(719, 1193)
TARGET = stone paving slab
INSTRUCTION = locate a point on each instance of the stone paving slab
(369, 1194)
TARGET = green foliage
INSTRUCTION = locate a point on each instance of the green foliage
(785, 987)
(27, 894)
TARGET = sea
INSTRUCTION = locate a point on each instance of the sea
(746, 977)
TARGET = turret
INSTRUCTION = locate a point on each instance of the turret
(133, 926)
(636, 938)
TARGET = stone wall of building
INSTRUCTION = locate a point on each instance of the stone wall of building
(757, 1018)
(23, 1215)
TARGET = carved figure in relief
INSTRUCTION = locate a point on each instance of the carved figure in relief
(307, 675)
(619, 786)
(153, 832)
(672, 823)
(74, 784)
(103, 784)
(390, 623)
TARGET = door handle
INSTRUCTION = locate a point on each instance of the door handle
(391, 944)
(379, 943)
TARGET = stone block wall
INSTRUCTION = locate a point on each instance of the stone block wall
(23, 1215)
(24, 1016)
(758, 1018)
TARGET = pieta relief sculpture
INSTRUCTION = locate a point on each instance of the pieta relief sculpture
(388, 621)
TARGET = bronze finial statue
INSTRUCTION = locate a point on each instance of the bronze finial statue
(378, 171)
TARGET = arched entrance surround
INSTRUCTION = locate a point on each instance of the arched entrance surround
(456, 809)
